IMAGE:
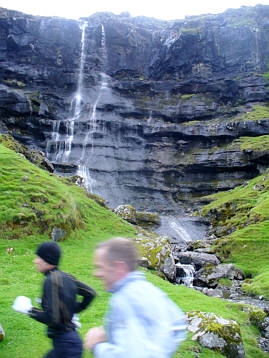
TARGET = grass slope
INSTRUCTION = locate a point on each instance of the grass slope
(65, 205)
(241, 220)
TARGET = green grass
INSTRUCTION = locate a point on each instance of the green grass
(25, 338)
(258, 112)
(187, 96)
(33, 201)
(61, 202)
(257, 144)
(245, 211)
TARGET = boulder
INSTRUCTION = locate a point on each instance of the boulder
(169, 268)
(216, 333)
(212, 292)
(197, 259)
(155, 252)
(126, 212)
(210, 275)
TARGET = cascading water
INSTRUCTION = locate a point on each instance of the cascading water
(83, 169)
(185, 274)
(182, 228)
(149, 120)
(63, 146)
(76, 103)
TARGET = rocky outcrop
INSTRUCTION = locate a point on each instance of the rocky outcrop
(144, 219)
(216, 333)
(147, 111)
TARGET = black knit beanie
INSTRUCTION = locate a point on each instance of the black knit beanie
(50, 252)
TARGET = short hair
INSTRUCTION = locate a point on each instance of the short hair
(120, 249)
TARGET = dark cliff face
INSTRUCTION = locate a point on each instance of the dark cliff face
(147, 111)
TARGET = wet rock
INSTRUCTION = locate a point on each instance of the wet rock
(196, 259)
(216, 333)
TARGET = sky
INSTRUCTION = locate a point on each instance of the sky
(164, 10)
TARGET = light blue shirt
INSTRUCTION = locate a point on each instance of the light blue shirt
(141, 322)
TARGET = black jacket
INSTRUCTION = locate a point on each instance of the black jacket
(59, 301)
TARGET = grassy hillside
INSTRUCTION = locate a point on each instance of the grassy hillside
(32, 203)
(241, 220)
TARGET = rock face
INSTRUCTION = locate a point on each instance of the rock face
(146, 111)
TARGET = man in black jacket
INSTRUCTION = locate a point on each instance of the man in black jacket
(59, 303)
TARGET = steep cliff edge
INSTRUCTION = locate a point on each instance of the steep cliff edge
(148, 112)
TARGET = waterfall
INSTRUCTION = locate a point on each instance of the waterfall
(63, 149)
(180, 230)
(83, 169)
(30, 105)
(257, 52)
(149, 120)
(185, 274)
(76, 103)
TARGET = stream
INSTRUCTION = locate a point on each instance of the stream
(183, 230)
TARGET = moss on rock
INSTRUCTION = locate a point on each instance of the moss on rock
(216, 333)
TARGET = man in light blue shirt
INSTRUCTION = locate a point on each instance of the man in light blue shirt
(141, 322)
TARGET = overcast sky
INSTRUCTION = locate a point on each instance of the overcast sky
(165, 9)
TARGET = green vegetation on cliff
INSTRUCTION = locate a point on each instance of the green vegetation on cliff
(257, 113)
(256, 144)
(241, 221)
